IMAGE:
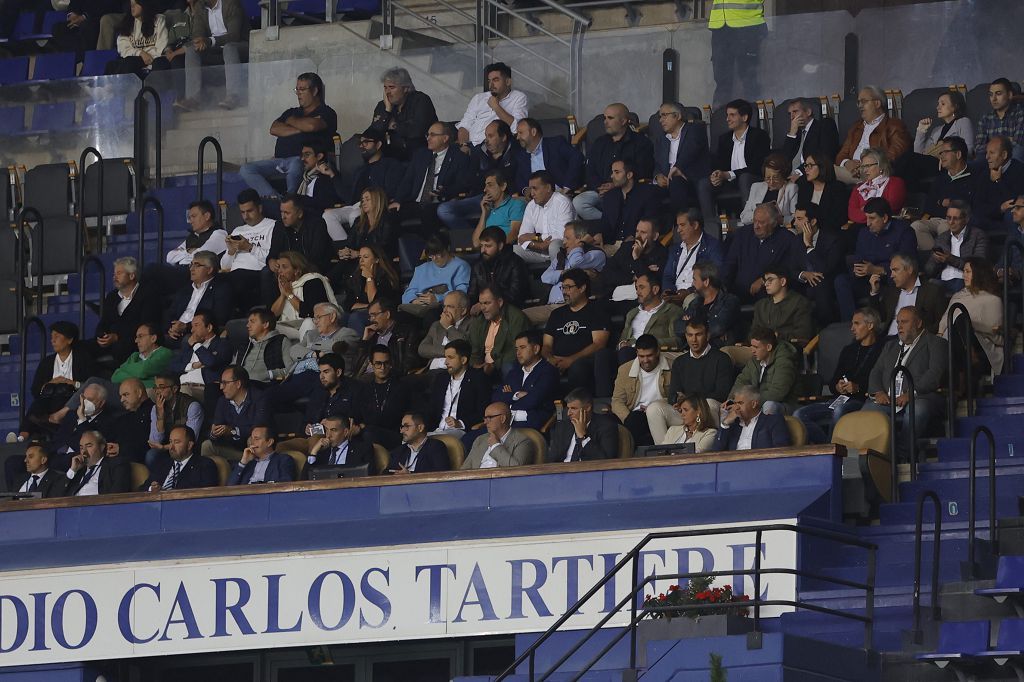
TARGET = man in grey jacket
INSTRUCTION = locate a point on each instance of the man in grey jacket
(267, 357)
(220, 35)
(304, 377)
(501, 445)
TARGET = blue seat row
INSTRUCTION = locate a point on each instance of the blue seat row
(54, 67)
(965, 645)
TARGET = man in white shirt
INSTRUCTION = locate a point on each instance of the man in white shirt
(501, 446)
(907, 290)
(954, 247)
(745, 427)
(38, 477)
(203, 235)
(201, 273)
(543, 227)
(892, 137)
(247, 249)
(220, 35)
(638, 384)
(499, 101)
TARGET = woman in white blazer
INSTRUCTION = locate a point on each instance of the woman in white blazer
(775, 187)
(698, 424)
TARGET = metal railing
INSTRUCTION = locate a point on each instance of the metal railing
(99, 197)
(141, 123)
(972, 566)
(908, 379)
(82, 273)
(632, 558)
(1007, 337)
(23, 386)
(917, 633)
(154, 203)
(967, 337)
(37, 258)
(200, 171)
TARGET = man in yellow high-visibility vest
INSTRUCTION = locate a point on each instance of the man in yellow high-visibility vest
(737, 29)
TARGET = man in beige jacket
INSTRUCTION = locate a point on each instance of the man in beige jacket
(638, 384)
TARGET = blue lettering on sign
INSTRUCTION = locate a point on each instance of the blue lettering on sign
(483, 600)
(532, 592)
(434, 587)
(274, 607)
(39, 622)
(188, 616)
(57, 619)
(348, 597)
(572, 577)
(739, 563)
(375, 597)
(609, 587)
(124, 614)
(222, 608)
(707, 562)
(20, 622)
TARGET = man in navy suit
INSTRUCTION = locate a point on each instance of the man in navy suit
(336, 447)
(204, 292)
(259, 463)
(37, 476)
(553, 154)
(681, 156)
(530, 387)
(417, 454)
(456, 400)
(438, 173)
(742, 169)
(184, 468)
(746, 427)
(625, 204)
(808, 135)
(202, 356)
(821, 264)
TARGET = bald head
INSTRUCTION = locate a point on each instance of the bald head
(132, 393)
(498, 418)
(616, 119)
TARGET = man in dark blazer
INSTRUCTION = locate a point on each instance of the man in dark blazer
(553, 154)
(433, 175)
(335, 447)
(126, 307)
(822, 262)
(757, 247)
(809, 135)
(212, 352)
(37, 476)
(417, 454)
(318, 187)
(184, 468)
(746, 427)
(756, 146)
(529, 387)
(213, 295)
(973, 243)
(239, 408)
(92, 472)
(692, 162)
(456, 399)
(583, 436)
(927, 296)
(259, 463)
(626, 203)
(92, 414)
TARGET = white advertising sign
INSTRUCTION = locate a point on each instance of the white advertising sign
(437, 590)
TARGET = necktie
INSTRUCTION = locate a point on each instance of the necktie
(34, 485)
(172, 480)
(577, 451)
(428, 185)
(335, 453)
(88, 475)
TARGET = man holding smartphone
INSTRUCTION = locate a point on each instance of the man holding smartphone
(333, 445)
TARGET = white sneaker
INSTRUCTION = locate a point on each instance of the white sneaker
(12, 437)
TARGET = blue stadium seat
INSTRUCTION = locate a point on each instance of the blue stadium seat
(1010, 643)
(1009, 579)
(51, 67)
(25, 29)
(12, 120)
(96, 62)
(53, 117)
(13, 70)
(103, 114)
(959, 642)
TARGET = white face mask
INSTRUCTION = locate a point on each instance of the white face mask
(88, 407)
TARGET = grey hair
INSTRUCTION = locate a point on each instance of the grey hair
(748, 391)
(327, 305)
(579, 228)
(128, 264)
(101, 440)
(398, 76)
(461, 299)
(101, 390)
(876, 93)
(962, 206)
(676, 107)
(884, 165)
(870, 316)
(773, 211)
(908, 261)
(207, 258)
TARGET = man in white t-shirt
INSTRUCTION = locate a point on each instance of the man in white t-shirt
(247, 249)
(498, 102)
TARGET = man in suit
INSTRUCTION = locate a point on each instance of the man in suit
(965, 239)
(417, 454)
(874, 129)
(335, 446)
(384, 399)
(378, 170)
(651, 316)
(90, 414)
(907, 289)
(171, 408)
(625, 204)
(238, 410)
(317, 186)
(302, 229)
(746, 427)
(694, 246)
(584, 436)
(681, 157)
(126, 307)
(202, 357)
(492, 337)
(130, 438)
(925, 356)
(530, 386)
(37, 475)
(740, 154)
(335, 395)
(455, 402)
(553, 154)
(184, 468)
(401, 338)
(620, 141)
(203, 293)
(435, 174)
(638, 384)
(501, 445)
(641, 252)
(92, 472)
(259, 463)
(822, 262)
(808, 135)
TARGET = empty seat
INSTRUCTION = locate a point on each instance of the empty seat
(8, 202)
(1009, 642)
(1009, 579)
(959, 642)
(103, 114)
(25, 29)
(977, 102)
(96, 61)
(118, 188)
(54, 66)
(53, 118)
(47, 188)
(12, 120)
(8, 306)
(13, 70)
(57, 240)
(555, 126)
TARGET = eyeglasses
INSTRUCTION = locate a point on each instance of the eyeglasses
(492, 416)
(405, 426)
(307, 155)
(810, 164)
(225, 383)
(435, 134)
(380, 363)
(666, 114)
(868, 165)
(160, 387)
(300, 90)
(324, 315)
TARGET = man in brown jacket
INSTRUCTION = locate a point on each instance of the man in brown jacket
(638, 384)
(874, 129)
(220, 35)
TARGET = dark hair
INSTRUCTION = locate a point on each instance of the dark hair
(778, 270)
(266, 316)
(698, 321)
(764, 335)
(580, 395)
(957, 144)
(777, 162)
(190, 433)
(386, 303)
(810, 209)
(153, 330)
(495, 290)
(460, 346)
(826, 171)
(878, 206)
(239, 374)
(249, 196)
(148, 20)
(743, 107)
(68, 330)
(204, 206)
(958, 102)
(504, 131)
(207, 315)
(319, 147)
(498, 176)
(416, 417)
(646, 342)
(297, 200)
(438, 243)
(44, 447)
(544, 177)
(268, 428)
(314, 81)
(652, 278)
(493, 234)
(627, 165)
(578, 277)
(694, 215)
(501, 67)
(380, 348)
(332, 360)
(1005, 82)
(344, 419)
(983, 276)
(709, 271)
(533, 123)
(534, 337)
(172, 377)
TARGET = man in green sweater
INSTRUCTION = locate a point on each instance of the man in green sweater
(144, 364)
(772, 371)
(492, 336)
(785, 312)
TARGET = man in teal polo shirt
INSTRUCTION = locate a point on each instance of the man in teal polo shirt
(498, 208)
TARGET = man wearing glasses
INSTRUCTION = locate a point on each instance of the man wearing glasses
(501, 446)
(1016, 235)
(383, 401)
(202, 293)
(681, 157)
(238, 411)
(417, 454)
(874, 129)
(807, 134)
(962, 240)
(955, 183)
(304, 377)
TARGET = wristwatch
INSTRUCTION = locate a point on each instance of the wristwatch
(289, 297)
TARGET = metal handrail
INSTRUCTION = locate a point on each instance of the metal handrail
(159, 208)
(141, 130)
(936, 611)
(210, 139)
(82, 272)
(531, 23)
(971, 512)
(967, 338)
(912, 427)
(29, 322)
(37, 258)
(631, 557)
(1007, 347)
(81, 197)
(390, 13)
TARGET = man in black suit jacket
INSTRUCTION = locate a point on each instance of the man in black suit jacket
(530, 398)
(929, 297)
(743, 172)
(260, 464)
(808, 135)
(556, 156)
(626, 203)
(823, 260)
(203, 346)
(456, 400)
(92, 472)
(204, 292)
(126, 307)
(620, 141)
(746, 427)
(584, 436)
(93, 414)
(417, 454)
(184, 468)
(335, 447)
(37, 476)
(692, 162)
(317, 186)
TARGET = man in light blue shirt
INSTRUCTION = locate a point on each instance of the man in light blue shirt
(578, 252)
(442, 274)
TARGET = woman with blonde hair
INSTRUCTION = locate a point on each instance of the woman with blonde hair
(775, 188)
(375, 278)
(300, 289)
(371, 227)
(698, 427)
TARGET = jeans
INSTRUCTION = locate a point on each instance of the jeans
(230, 55)
(820, 421)
(258, 173)
(587, 205)
(460, 214)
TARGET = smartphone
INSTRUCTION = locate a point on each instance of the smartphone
(316, 430)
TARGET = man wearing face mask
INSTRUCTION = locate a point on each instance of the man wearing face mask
(90, 415)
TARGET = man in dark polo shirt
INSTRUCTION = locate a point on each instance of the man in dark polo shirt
(574, 334)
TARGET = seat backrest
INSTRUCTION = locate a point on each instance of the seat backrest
(12, 120)
(718, 125)
(1011, 634)
(919, 104)
(863, 430)
(8, 306)
(797, 432)
(95, 62)
(381, 458)
(237, 335)
(13, 70)
(848, 114)
(8, 199)
(8, 252)
(47, 188)
(626, 445)
(831, 341)
(58, 236)
(555, 127)
(118, 188)
(223, 469)
(139, 475)
(349, 161)
(54, 66)
(977, 101)
(300, 462)
(967, 637)
(540, 446)
(456, 453)
(595, 129)
(1010, 572)
(740, 355)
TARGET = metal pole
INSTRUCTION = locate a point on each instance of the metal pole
(919, 521)
(30, 322)
(210, 139)
(757, 581)
(99, 196)
(159, 208)
(632, 611)
(83, 272)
